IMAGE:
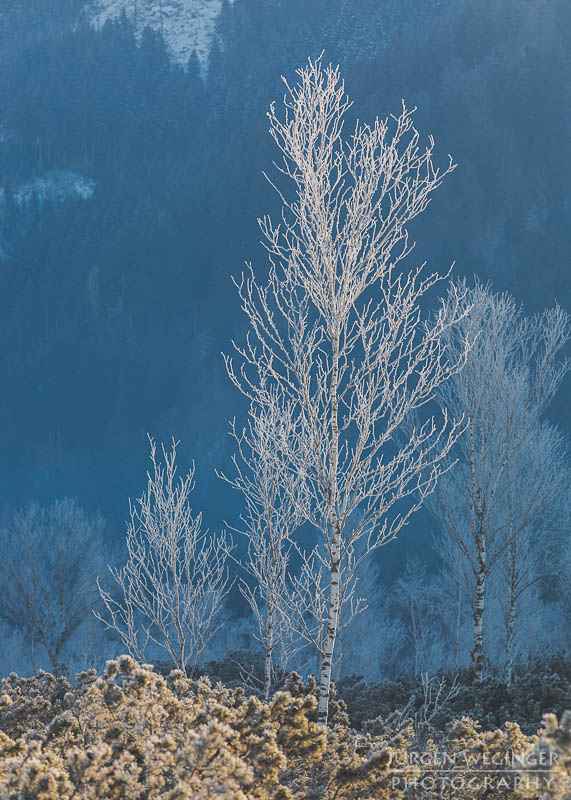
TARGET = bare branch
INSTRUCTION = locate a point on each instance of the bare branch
(337, 330)
(173, 584)
(269, 468)
(511, 476)
(47, 573)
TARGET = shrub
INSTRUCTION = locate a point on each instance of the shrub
(132, 733)
(539, 687)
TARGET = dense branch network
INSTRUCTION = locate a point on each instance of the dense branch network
(337, 329)
(175, 579)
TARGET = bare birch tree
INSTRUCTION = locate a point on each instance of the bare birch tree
(510, 378)
(270, 487)
(537, 497)
(47, 573)
(418, 602)
(337, 327)
(173, 584)
(456, 581)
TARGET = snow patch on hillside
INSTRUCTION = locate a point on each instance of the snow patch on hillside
(187, 25)
(60, 185)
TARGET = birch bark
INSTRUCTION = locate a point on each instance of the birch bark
(337, 329)
(509, 481)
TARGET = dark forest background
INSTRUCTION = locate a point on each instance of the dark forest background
(114, 309)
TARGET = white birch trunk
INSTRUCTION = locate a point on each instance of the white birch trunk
(336, 536)
(510, 629)
(478, 651)
(512, 579)
(268, 659)
(331, 635)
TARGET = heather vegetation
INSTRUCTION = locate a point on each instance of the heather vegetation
(133, 733)
(540, 686)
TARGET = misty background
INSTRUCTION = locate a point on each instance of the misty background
(131, 152)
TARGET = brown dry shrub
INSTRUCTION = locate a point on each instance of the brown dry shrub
(131, 733)
(134, 734)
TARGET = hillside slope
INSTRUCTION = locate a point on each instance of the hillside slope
(186, 25)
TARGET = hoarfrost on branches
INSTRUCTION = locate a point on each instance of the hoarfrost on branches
(337, 329)
(172, 587)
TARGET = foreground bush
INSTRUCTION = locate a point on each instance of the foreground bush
(135, 734)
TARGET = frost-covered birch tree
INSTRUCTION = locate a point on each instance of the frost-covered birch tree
(455, 579)
(537, 497)
(47, 573)
(172, 586)
(419, 603)
(511, 376)
(269, 484)
(337, 327)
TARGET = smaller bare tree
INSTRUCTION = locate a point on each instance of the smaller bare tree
(47, 573)
(512, 374)
(436, 694)
(419, 601)
(175, 579)
(456, 581)
(538, 494)
(266, 475)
